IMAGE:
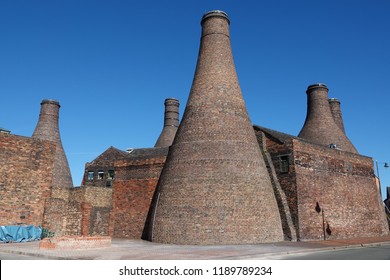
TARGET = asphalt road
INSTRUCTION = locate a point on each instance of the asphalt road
(360, 253)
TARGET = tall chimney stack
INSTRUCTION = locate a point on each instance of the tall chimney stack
(320, 126)
(47, 129)
(335, 109)
(171, 123)
(214, 187)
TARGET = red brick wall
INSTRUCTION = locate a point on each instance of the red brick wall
(131, 205)
(79, 211)
(287, 181)
(133, 191)
(85, 218)
(26, 167)
(343, 185)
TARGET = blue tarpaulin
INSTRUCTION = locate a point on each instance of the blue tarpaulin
(20, 233)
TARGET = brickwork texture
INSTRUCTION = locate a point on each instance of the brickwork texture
(171, 123)
(320, 126)
(337, 194)
(75, 242)
(134, 187)
(335, 109)
(331, 193)
(214, 187)
(48, 129)
(213, 179)
(26, 168)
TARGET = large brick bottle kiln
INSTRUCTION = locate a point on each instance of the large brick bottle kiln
(171, 123)
(335, 109)
(214, 187)
(320, 126)
(48, 129)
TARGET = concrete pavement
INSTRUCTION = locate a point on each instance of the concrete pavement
(124, 249)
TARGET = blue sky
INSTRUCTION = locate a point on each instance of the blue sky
(112, 63)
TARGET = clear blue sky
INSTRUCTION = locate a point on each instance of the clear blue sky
(111, 64)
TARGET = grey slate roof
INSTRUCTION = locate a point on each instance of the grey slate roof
(3, 130)
(112, 154)
(143, 153)
(277, 135)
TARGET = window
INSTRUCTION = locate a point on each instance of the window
(110, 174)
(100, 175)
(90, 175)
(110, 177)
(284, 164)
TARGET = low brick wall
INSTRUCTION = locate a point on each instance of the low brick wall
(75, 242)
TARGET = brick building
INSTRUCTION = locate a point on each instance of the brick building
(33, 169)
(131, 177)
(314, 185)
(36, 186)
(331, 193)
(324, 189)
(322, 192)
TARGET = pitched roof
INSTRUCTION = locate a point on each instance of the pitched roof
(142, 153)
(3, 130)
(277, 135)
(111, 153)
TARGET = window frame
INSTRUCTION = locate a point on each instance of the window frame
(284, 164)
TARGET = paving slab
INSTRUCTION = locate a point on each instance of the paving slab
(125, 249)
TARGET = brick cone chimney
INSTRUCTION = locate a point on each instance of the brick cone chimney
(47, 129)
(214, 187)
(171, 123)
(320, 126)
(335, 109)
